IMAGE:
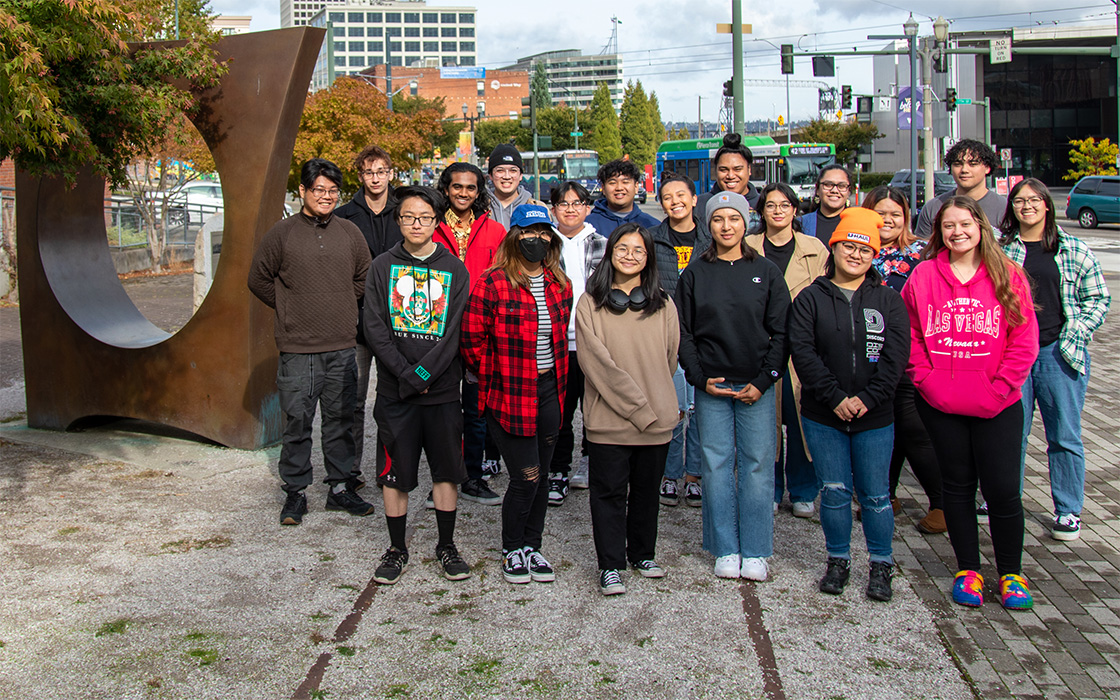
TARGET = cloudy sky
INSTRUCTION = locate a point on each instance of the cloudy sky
(675, 51)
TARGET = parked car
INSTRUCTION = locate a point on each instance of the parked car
(942, 183)
(1095, 199)
(195, 202)
(641, 193)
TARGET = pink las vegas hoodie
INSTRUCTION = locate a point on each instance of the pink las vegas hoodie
(964, 356)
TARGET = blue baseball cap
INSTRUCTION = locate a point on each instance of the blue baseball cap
(525, 215)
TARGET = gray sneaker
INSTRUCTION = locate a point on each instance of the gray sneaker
(580, 478)
(478, 491)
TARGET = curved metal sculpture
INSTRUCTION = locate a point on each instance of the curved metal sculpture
(88, 351)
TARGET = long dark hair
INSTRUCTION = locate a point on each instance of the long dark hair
(895, 195)
(481, 203)
(998, 265)
(815, 201)
(1009, 226)
(508, 258)
(601, 280)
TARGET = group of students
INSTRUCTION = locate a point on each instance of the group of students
(767, 328)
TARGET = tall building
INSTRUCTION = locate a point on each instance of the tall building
(573, 77)
(363, 33)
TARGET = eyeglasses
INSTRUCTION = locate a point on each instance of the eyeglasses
(772, 206)
(423, 220)
(570, 205)
(321, 192)
(377, 174)
(1020, 202)
(849, 248)
(835, 186)
(636, 253)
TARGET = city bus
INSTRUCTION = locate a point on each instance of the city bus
(558, 166)
(795, 164)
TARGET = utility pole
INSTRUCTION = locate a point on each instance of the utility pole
(910, 29)
(699, 118)
(737, 54)
(927, 121)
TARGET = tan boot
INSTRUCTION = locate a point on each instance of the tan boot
(933, 523)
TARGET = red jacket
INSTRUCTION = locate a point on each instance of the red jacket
(482, 245)
(499, 344)
(964, 356)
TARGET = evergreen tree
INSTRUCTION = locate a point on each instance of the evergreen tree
(602, 133)
(636, 125)
(657, 127)
(538, 88)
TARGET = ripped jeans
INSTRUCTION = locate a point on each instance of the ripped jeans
(847, 462)
(526, 498)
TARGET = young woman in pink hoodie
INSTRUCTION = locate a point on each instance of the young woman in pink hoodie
(974, 337)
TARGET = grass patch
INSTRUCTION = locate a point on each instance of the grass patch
(156, 682)
(326, 557)
(346, 587)
(440, 643)
(386, 621)
(1, 643)
(452, 608)
(13, 419)
(115, 627)
(644, 641)
(400, 690)
(318, 694)
(181, 546)
(320, 616)
(881, 664)
(195, 636)
(483, 667)
(317, 637)
(593, 662)
(522, 601)
(439, 592)
(346, 651)
(203, 656)
(69, 530)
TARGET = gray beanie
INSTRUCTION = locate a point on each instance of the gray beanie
(727, 200)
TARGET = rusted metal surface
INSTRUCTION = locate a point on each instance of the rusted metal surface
(89, 352)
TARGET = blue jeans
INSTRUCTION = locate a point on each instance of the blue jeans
(793, 470)
(737, 445)
(860, 462)
(684, 448)
(1059, 391)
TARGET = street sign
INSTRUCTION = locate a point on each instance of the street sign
(964, 100)
(999, 50)
(575, 133)
(1005, 155)
(886, 104)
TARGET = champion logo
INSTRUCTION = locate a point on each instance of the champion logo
(757, 280)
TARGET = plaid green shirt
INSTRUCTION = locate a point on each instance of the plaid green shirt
(1085, 297)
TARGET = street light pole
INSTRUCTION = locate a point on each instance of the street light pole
(789, 127)
(737, 63)
(910, 29)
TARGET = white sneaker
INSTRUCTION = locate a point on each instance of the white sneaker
(775, 509)
(755, 569)
(803, 509)
(579, 478)
(727, 566)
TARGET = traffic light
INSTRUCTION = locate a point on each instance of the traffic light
(528, 114)
(787, 59)
(729, 88)
(950, 99)
(845, 97)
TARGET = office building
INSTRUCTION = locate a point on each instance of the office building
(573, 77)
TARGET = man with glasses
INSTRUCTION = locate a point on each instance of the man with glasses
(834, 186)
(619, 179)
(581, 253)
(311, 268)
(970, 162)
(372, 211)
(506, 193)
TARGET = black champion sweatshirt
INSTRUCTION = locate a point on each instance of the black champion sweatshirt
(733, 321)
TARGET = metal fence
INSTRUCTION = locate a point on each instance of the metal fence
(124, 224)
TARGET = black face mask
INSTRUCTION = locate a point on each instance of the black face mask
(619, 301)
(533, 249)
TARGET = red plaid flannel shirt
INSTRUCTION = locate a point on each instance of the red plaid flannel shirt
(499, 344)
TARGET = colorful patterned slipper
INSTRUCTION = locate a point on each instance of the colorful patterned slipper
(968, 589)
(1014, 593)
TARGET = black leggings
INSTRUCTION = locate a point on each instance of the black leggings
(526, 499)
(987, 450)
(912, 443)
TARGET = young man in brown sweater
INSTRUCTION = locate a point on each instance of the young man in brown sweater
(311, 268)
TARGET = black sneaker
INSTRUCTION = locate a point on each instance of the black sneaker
(610, 582)
(836, 576)
(514, 567)
(454, 568)
(348, 501)
(982, 510)
(295, 507)
(429, 503)
(669, 495)
(476, 490)
(648, 568)
(356, 483)
(693, 496)
(539, 568)
(393, 563)
(557, 488)
(1066, 527)
(879, 583)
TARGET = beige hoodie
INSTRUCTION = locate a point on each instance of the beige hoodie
(628, 360)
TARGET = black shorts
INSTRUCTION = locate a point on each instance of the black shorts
(403, 429)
